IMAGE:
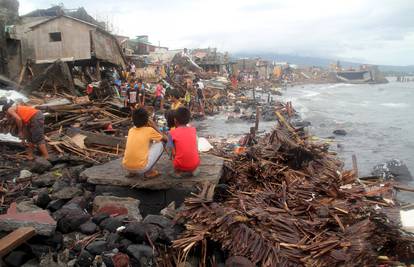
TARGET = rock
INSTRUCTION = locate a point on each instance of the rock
(158, 220)
(54, 205)
(27, 206)
(40, 165)
(55, 240)
(112, 173)
(43, 199)
(169, 211)
(59, 185)
(239, 261)
(111, 224)
(80, 202)
(43, 223)
(24, 174)
(137, 231)
(31, 263)
(72, 220)
(117, 206)
(124, 243)
(88, 228)
(84, 259)
(40, 250)
(139, 251)
(46, 179)
(393, 169)
(97, 247)
(340, 132)
(16, 258)
(98, 218)
(67, 193)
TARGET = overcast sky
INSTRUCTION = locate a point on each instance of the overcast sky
(371, 31)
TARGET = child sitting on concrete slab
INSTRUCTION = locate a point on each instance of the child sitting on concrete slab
(183, 140)
(143, 147)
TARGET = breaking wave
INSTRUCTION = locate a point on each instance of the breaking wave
(394, 105)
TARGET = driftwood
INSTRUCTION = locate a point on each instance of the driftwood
(289, 203)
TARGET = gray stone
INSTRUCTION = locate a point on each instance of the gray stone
(112, 173)
(54, 205)
(111, 224)
(16, 258)
(31, 263)
(158, 220)
(40, 165)
(97, 247)
(46, 179)
(67, 193)
(98, 218)
(120, 206)
(43, 199)
(25, 174)
(88, 228)
(27, 206)
(71, 219)
(59, 185)
(139, 251)
(138, 231)
(393, 169)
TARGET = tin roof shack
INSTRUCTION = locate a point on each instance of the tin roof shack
(140, 45)
(47, 39)
(211, 60)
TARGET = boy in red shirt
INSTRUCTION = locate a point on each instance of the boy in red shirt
(184, 141)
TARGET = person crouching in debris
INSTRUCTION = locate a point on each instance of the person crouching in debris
(183, 142)
(143, 147)
(30, 123)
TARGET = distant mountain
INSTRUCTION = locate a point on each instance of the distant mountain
(316, 61)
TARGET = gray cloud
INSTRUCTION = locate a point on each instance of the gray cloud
(380, 32)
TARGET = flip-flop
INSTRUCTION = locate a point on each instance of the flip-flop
(155, 173)
(173, 174)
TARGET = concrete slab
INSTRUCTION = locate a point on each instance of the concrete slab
(112, 173)
(41, 221)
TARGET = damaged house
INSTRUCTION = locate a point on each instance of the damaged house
(43, 40)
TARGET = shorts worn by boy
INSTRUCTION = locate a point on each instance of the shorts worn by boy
(141, 153)
(186, 152)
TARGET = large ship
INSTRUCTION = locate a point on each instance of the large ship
(365, 74)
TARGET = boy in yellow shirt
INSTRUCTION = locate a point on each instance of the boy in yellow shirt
(143, 146)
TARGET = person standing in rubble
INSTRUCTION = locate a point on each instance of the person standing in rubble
(200, 97)
(159, 95)
(131, 98)
(132, 70)
(141, 93)
(30, 123)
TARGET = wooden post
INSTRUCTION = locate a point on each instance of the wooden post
(254, 94)
(256, 125)
(98, 70)
(355, 165)
(252, 132)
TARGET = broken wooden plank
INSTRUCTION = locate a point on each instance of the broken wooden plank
(15, 239)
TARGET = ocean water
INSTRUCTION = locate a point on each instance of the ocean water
(379, 120)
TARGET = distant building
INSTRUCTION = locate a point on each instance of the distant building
(209, 59)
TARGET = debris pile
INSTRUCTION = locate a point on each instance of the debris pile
(288, 202)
